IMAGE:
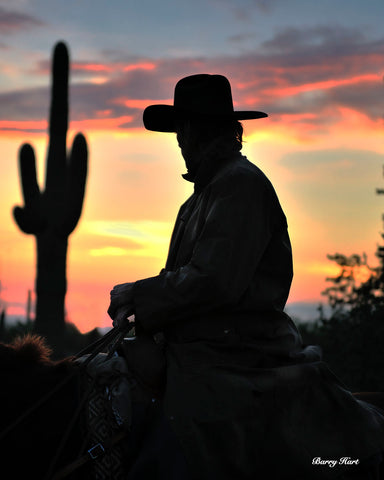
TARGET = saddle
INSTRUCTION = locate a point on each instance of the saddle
(132, 371)
(145, 359)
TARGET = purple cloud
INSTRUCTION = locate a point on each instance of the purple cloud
(13, 21)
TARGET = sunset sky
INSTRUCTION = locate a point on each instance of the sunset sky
(316, 66)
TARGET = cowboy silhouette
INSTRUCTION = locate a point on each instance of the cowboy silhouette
(243, 396)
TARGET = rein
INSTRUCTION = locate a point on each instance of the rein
(111, 340)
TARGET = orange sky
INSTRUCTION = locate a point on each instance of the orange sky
(322, 146)
(134, 190)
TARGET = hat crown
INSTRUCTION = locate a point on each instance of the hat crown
(201, 96)
(204, 94)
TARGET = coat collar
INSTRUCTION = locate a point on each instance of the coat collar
(208, 168)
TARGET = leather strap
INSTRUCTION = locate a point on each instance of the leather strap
(92, 454)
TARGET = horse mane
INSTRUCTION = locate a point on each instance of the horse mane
(29, 350)
(32, 349)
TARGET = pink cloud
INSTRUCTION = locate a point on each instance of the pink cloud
(140, 66)
(141, 104)
(91, 67)
(322, 85)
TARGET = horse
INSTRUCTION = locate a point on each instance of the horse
(28, 375)
(41, 430)
(45, 414)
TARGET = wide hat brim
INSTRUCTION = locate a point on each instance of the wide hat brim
(202, 97)
(162, 118)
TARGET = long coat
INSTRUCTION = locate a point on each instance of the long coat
(243, 395)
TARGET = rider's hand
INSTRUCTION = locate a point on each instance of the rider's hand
(123, 316)
(121, 306)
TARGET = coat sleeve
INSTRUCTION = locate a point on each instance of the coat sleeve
(235, 234)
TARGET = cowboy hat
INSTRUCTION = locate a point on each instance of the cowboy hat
(197, 96)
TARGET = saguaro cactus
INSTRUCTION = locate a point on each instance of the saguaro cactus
(51, 215)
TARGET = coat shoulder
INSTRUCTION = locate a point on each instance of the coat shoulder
(242, 173)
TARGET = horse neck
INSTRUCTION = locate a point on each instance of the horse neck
(31, 445)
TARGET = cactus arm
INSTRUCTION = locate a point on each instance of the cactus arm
(76, 180)
(28, 218)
